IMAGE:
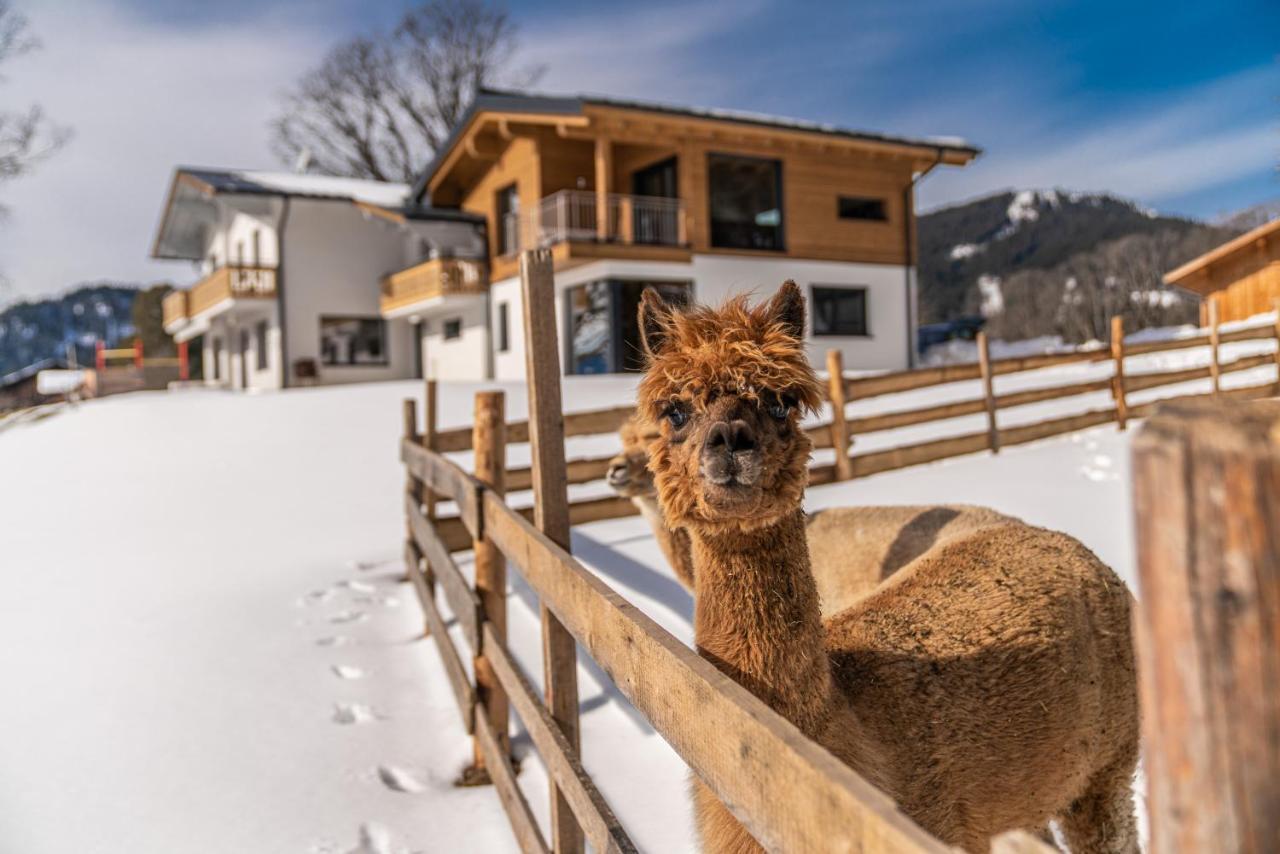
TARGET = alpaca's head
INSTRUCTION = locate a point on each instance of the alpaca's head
(629, 474)
(727, 387)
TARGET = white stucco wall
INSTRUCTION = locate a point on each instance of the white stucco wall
(463, 358)
(236, 229)
(334, 258)
(227, 327)
(717, 277)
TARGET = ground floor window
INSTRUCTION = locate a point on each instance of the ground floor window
(217, 358)
(839, 310)
(504, 331)
(453, 328)
(260, 342)
(353, 341)
(604, 327)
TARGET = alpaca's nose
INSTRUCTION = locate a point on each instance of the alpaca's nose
(617, 474)
(732, 436)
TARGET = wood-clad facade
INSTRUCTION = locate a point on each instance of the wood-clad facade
(1242, 276)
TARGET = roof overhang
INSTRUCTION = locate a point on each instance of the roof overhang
(1187, 275)
(189, 214)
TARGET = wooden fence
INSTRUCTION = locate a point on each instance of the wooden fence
(734, 742)
(842, 430)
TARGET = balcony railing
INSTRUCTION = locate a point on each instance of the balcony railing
(437, 277)
(231, 283)
(574, 215)
(174, 308)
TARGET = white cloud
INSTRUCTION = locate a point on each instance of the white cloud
(141, 98)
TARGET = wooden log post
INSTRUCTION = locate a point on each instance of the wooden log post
(988, 392)
(551, 510)
(839, 424)
(430, 429)
(489, 442)
(1117, 379)
(1207, 508)
(1215, 342)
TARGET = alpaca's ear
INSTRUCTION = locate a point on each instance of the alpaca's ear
(787, 309)
(655, 322)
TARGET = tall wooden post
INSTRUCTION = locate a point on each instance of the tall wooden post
(1207, 508)
(988, 392)
(839, 424)
(604, 174)
(550, 510)
(1215, 340)
(489, 441)
(1117, 379)
(137, 353)
(429, 429)
(413, 486)
(184, 361)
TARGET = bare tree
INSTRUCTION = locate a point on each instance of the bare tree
(379, 106)
(26, 136)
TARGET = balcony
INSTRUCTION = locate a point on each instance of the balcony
(433, 280)
(231, 283)
(174, 311)
(581, 225)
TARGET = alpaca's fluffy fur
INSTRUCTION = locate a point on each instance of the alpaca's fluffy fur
(988, 685)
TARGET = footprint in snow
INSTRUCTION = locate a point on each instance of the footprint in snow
(373, 839)
(347, 714)
(315, 597)
(357, 586)
(346, 671)
(349, 617)
(334, 640)
(400, 780)
(362, 565)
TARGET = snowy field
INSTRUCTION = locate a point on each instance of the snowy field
(206, 647)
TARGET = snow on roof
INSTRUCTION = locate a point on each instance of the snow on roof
(382, 193)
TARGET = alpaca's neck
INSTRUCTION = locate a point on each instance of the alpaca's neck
(674, 542)
(757, 617)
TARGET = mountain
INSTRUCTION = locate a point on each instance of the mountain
(42, 329)
(1251, 217)
(1052, 262)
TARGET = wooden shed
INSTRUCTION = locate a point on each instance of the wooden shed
(1242, 275)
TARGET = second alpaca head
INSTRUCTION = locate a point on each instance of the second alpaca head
(728, 387)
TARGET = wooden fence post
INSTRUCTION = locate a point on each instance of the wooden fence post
(489, 441)
(988, 392)
(1117, 379)
(1207, 511)
(839, 425)
(1215, 367)
(550, 510)
(429, 429)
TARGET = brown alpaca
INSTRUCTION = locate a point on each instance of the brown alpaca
(852, 549)
(987, 686)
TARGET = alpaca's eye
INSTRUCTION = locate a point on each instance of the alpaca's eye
(677, 416)
(779, 409)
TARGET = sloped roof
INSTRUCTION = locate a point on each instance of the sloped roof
(247, 181)
(1231, 247)
(500, 101)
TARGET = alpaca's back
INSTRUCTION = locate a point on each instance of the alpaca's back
(995, 671)
(853, 549)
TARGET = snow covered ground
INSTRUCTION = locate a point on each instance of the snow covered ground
(206, 648)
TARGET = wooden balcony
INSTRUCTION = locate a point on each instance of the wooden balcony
(438, 277)
(174, 311)
(227, 283)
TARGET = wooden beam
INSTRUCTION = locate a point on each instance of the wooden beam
(1117, 379)
(491, 568)
(988, 392)
(503, 775)
(551, 510)
(1206, 505)
(839, 426)
(604, 178)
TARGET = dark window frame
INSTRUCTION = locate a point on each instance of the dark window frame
(451, 322)
(862, 208)
(504, 327)
(510, 191)
(819, 292)
(384, 362)
(781, 248)
(616, 356)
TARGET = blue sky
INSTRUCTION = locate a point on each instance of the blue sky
(1174, 104)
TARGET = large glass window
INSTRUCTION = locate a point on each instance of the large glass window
(353, 341)
(839, 311)
(746, 202)
(507, 209)
(605, 334)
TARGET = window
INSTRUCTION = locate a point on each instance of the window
(257, 248)
(604, 326)
(353, 341)
(239, 253)
(260, 343)
(839, 310)
(507, 207)
(746, 202)
(504, 342)
(217, 358)
(860, 207)
(453, 328)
